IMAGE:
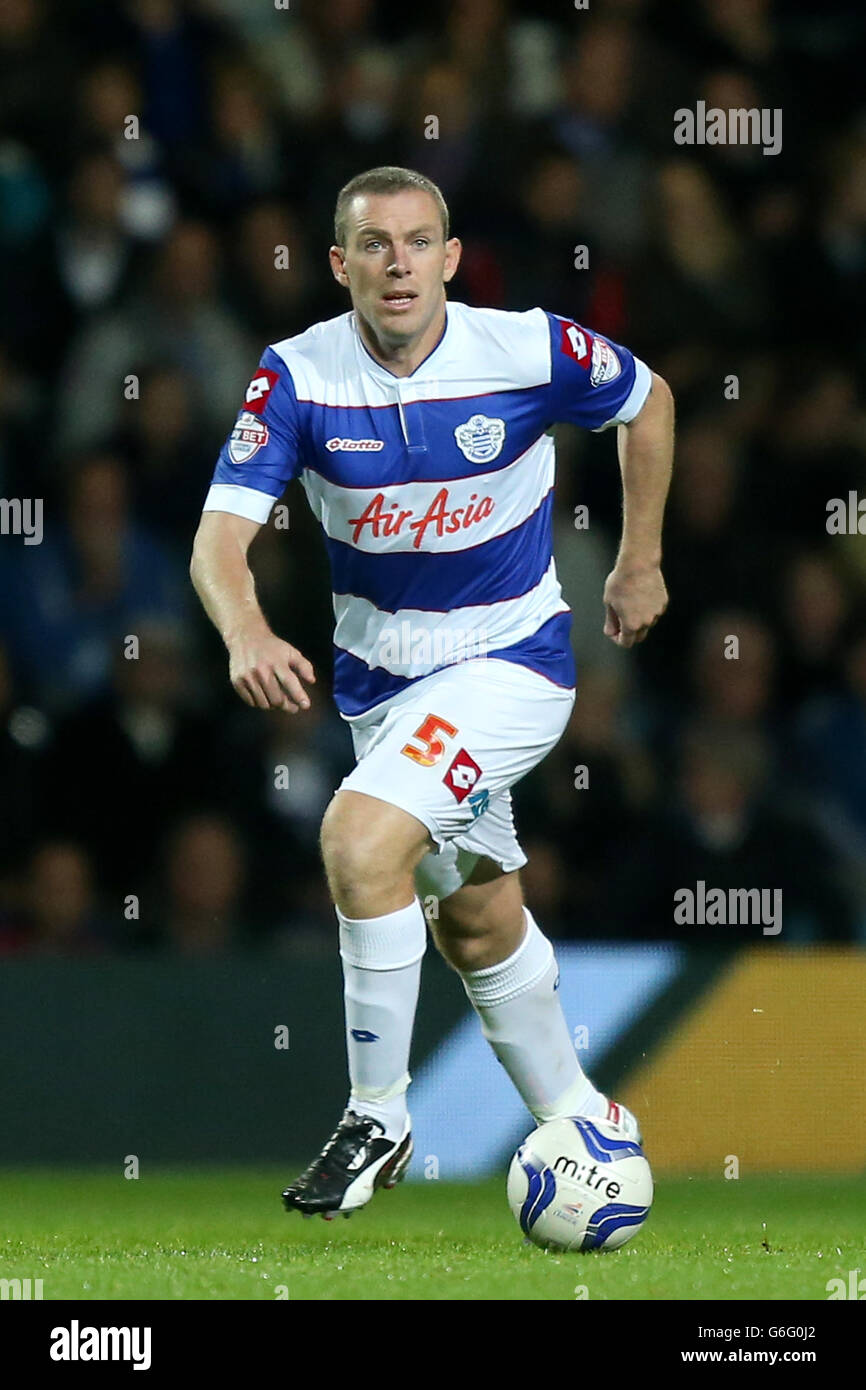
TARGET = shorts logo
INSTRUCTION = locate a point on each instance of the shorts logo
(479, 801)
(462, 775)
(364, 1035)
(606, 366)
(259, 389)
(480, 438)
(248, 436)
(354, 446)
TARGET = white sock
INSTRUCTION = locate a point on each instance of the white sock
(382, 974)
(522, 1019)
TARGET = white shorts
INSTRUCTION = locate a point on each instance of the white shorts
(448, 750)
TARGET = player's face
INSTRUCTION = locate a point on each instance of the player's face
(396, 263)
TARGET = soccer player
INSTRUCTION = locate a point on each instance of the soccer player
(417, 426)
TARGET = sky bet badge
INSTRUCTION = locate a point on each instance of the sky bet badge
(606, 365)
(247, 437)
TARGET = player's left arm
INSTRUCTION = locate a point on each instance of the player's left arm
(597, 383)
(635, 596)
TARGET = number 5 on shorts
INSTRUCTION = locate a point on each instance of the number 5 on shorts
(433, 746)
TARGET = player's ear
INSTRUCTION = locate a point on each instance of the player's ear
(453, 251)
(337, 257)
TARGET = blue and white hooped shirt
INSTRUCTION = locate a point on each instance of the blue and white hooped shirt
(435, 490)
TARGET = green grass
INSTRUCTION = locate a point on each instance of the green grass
(207, 1234)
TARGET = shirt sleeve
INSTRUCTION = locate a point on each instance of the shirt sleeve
(594, 382)
(263, 451)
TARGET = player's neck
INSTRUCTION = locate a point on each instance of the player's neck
(401, 359)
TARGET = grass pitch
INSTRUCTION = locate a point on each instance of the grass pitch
(222, 1234)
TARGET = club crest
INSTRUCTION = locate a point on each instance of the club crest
(480, 438)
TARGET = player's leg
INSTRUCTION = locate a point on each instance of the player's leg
(442, 756)
(510, 974)
(370, 849)
(482, 922)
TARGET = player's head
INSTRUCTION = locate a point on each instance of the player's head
(391, 238)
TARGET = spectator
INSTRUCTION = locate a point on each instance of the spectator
(94, 253)
(830, 762)
(23, 733)
(279, 778)
(588, 798)
(141, 743)
(815, 607)
(59, 915)
(169, 452)
(277, 293)
(66, 604)
(204, 878)
(720, 830)
(111, 115)
(179, 322)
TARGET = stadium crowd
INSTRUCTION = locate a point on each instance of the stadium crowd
(154, 154)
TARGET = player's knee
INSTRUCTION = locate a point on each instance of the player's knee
(344, 841)
(473, 932)
(365, 840)
(463, 938)
(464, 952)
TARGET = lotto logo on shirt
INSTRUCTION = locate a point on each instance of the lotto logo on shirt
(354, 446)
(462, 775)
(256, 396)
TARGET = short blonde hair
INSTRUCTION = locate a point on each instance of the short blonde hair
(387, 178)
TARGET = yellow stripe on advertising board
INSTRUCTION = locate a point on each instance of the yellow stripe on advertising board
(770, 1068)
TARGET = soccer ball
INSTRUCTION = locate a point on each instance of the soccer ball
(579, 1184)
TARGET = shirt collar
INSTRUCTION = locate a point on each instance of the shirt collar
(433, 357)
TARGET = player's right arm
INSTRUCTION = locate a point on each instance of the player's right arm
(259, 457)
(264, 670)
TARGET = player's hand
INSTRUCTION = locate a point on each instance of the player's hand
(634, 600)
(267, 672)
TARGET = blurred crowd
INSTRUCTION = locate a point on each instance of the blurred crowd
(153, 154)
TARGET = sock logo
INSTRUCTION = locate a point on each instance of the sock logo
(364, 1035)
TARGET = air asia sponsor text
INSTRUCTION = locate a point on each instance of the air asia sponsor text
(389, 520)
